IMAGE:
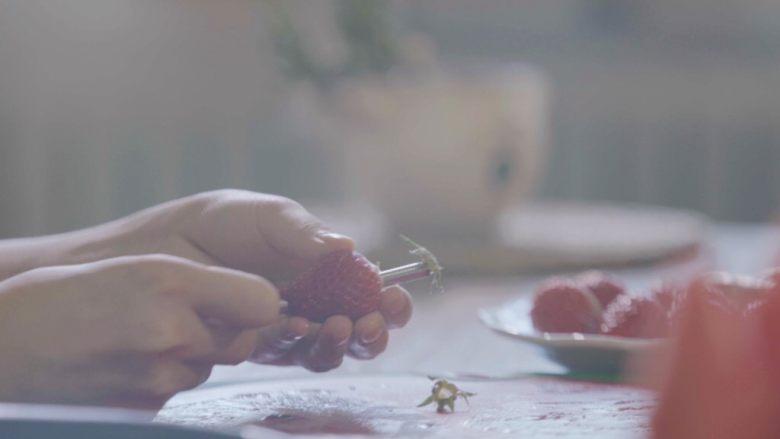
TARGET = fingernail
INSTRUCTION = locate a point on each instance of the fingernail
(295, 332)
(292, 337)
(333, 236)
(370, 338)
(319, 350)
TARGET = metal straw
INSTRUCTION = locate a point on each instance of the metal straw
(405, 273)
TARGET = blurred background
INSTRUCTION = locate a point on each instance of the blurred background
(110, 106)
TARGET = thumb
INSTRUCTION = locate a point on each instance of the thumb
(296, 233)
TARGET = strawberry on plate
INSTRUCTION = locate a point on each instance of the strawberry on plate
(605, 287)
(342, 283)
(638, 317)
(666, 294)
(562, 305)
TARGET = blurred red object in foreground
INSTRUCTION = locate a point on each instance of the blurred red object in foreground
(724, 377)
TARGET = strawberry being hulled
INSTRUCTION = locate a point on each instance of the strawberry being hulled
(342, 283)
(346, 283)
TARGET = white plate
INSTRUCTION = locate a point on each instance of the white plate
(589, 353)
(538, 236)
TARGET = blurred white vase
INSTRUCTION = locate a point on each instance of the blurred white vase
(437, 153)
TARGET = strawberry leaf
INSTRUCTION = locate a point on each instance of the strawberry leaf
(430, 261)
(428, 400)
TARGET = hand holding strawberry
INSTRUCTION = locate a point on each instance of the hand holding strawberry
(267, 235)
(279, 239)
(337, 307)
(344, 285)
(320, 347)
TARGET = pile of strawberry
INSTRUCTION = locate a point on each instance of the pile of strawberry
(595, 302)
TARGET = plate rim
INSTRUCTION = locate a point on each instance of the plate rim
(487, 316)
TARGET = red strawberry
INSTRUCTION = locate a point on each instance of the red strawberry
(671, 297)
(561, 305)
(605, 287)
(341, 283)
(737, 291)
(753, 308)
(638, 317)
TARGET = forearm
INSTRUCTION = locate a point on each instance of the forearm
(24, 254)
(142, 232)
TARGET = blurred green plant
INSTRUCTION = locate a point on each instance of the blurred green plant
(363, 26)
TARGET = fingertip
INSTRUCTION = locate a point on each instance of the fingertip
(328, 351)
(363, 350)
(335, 241)
(380, 345)
(295, 232)
(238, 299)
(336, 329)
(269, 303)
(396, 307)
(370, 328)
(297, 327)
(241, 348)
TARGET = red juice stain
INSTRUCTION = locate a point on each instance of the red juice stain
(309, 423)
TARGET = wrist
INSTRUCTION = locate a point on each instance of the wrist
(19, 255)
(24, 254)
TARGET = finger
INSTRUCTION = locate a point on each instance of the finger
(293, 231)
(201, 371)
(328, 349)
(235, 348)
(236, 298)
(148, 382)
(162, 378)
(174, 377)
(194, 338)
(370, 351)
(369, 337)
(277, 341)
(215, 343)
(227, 344)
(396, 307)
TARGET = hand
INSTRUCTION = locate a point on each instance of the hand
(319, 348)
(267, 235)
(129, 331)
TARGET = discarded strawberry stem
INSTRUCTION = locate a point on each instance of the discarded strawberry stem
(428, 259)
(444, 394)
